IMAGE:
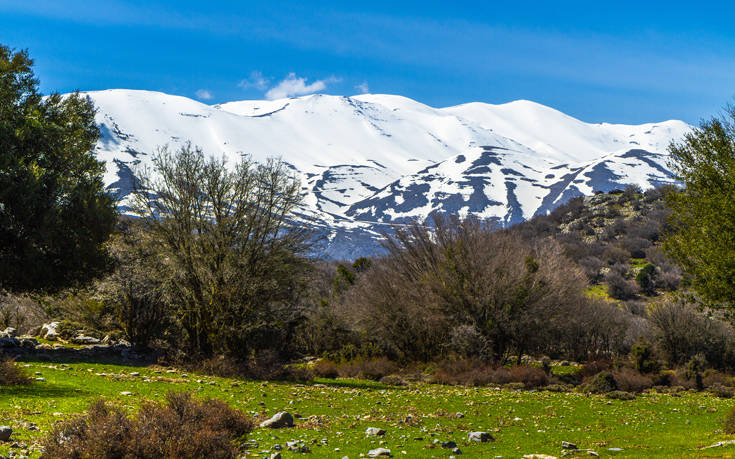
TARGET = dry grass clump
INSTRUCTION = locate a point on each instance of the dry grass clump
(180, 427)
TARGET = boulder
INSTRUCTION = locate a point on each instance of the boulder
(5, 433)
(81, 339)
(480, 437)
(49, 331)
(374, 432)
(10, 332)
(379, 452)
(279, 420)
(568, 445)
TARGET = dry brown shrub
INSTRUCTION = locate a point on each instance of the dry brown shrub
(325, 369)
(373, 369)
(471, 372)
(12, 375)
(265, 365)
(630, 380)
(181, 427)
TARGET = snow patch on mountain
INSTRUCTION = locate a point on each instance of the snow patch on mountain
(371, 161)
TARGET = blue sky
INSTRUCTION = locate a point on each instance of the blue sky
(627, 62)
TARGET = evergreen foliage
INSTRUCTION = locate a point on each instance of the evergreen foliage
(55, 215)
(703, 218)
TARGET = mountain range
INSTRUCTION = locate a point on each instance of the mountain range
(370, 162)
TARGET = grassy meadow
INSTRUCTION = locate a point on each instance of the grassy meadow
(333, 414)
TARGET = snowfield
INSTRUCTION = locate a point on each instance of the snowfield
(372, 161)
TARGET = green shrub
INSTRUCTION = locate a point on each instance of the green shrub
(646, 278)
(68, 329)
(601, 383)
(643, 358)
(694, 370)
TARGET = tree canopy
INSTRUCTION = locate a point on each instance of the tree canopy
(55, 215)
(703, 219)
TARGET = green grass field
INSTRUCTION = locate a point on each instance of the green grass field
(337, 413)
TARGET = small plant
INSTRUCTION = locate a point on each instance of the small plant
(729, 424)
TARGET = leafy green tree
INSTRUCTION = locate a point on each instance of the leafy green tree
(702, 239)
(55, 215)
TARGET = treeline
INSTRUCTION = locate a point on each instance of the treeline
(216, 264)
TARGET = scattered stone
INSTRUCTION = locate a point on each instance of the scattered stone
(616, 450)
(126, 393)
(279, 420)
(538, 456)
(568, 445)
(449, 444)
(276, 455)
(480, 437)
(135, 373)
(379, 452)
(5, 433)
(714, 445)
(457, 451)
(374, 432)
(592, 453)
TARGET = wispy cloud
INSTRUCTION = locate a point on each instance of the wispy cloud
(363, 88)
(293, 85)
(255, 80)
(203, 94)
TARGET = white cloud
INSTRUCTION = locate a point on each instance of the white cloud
(296, 86)
(363, 88)
(203, 94)
(255, 80)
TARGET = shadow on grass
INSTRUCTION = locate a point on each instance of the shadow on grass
(356, 384)
(45, 390)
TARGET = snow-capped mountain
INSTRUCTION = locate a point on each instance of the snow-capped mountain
(371, 161)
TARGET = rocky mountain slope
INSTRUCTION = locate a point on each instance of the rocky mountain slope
(372, 161)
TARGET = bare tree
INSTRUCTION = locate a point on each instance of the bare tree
(230, 248)
(514, 293)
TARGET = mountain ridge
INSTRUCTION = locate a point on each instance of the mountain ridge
(370, 161)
